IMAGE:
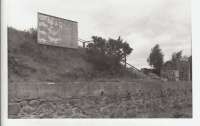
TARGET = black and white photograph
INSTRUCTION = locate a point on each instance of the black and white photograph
(98, 59)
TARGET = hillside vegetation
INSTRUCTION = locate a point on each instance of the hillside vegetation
(33, 62)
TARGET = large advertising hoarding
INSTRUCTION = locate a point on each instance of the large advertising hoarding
(57, 31)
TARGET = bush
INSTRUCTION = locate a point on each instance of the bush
(106, 55)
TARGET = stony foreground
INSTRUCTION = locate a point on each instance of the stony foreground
(164, 103)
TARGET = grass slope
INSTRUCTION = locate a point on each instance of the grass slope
(30, 61)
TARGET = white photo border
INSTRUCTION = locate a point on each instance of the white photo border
(106, 122)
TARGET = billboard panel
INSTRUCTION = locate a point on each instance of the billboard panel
(57, 31)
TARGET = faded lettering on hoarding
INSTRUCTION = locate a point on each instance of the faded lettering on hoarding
(56, 31)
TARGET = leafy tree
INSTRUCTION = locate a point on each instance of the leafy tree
(176, 57)
(155, 58)
(107, 54)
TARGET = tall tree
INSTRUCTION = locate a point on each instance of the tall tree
(155, 58)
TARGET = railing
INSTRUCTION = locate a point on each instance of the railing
(130, 66)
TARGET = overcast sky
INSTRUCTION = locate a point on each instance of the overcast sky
(142, 23)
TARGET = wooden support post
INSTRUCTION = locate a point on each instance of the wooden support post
(125, 60)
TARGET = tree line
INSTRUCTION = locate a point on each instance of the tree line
(107, 55)
(156, 61)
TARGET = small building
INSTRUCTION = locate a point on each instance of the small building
(171, 75)
(184, 70)
(176, 71)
